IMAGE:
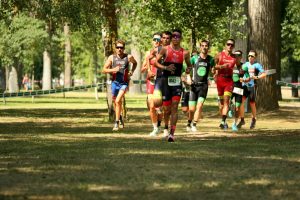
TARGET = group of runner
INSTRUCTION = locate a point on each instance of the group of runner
(168, 79)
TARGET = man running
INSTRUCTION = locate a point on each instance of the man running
(157, 94)
(174, 56)
(225, 62)
(202, 67)
(118, 65)
(256, 72)
(240, 75)
(152, 72)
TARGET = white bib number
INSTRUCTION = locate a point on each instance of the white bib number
(239, 91)
(174, 81)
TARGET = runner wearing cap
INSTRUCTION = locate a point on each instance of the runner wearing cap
(256, 72)
(148, 65)
(240, 75)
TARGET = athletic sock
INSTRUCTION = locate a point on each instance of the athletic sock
(154, 125)
(224, 118)
(242, 119)
(158, 123)
(172, 131)
(189, 122)
(194, 123)
(166, 127)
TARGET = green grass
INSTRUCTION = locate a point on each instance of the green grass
(63, 148)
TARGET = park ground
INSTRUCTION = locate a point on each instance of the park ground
(63, 148)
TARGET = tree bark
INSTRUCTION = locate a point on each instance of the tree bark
(136, 53)
(68, 63)
(264, 37)
(109, 36)
(295, 74)
(46, 70)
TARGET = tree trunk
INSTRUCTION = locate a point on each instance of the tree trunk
(68, 63)
(109, 35)
(136, 53)
(264, 37)
(13, 80)
(46, 70)
(295, 73)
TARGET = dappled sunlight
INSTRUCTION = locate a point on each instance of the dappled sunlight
(105, 188)
(261, 181)
(211, 184)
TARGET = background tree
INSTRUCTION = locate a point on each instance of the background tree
(291, 41)
(264, 37)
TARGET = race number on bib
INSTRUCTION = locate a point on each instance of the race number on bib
(239, 91)
(174, 81)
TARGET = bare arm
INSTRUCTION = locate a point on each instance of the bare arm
(145, 65)
(162, 53)
(108, 64)
(217, 65)
(134, 64)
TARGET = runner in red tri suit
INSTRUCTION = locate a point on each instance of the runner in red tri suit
(225, 62)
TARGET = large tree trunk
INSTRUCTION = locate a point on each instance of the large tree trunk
(264, 37)
(136, 53)
(109, 35)
(46, 70)
(13, 80)
(68, 63)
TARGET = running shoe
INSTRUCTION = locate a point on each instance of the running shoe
(241, 123)
(253, 123)
(223, 125)
(154, 132)
(171, 138)
(194, 129)
(188, 128)
(116, 126)
(166, 133)
(234, 127)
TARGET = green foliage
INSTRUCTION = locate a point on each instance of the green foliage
(290, 35)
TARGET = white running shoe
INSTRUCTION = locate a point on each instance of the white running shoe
(194, 129)
(154, 132)
(188, 128)
(166, 133)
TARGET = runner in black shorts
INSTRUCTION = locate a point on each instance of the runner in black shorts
(199, 86)
(240, 75)
(174, 56)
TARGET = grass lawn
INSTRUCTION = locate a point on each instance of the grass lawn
(63, 148)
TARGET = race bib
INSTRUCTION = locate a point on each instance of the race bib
(174, 81)
(237, 90)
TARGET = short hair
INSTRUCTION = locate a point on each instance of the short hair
(177, 30)
(253, 52)
(230, 39)
(167, 33)
(157, 33)
(206, 41)
(120, 42)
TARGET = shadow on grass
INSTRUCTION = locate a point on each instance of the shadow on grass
(131, 168)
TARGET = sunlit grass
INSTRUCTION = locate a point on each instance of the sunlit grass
(63, 148)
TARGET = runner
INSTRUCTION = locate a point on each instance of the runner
(256, 72)
(165, 41)
(118, 65)
(225, 62)
(240, 76)
(174, 56)
(185, 98)
(199, 88)
(155, 113)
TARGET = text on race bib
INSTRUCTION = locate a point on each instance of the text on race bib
(174, 81)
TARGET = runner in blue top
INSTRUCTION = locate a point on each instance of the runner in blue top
(256, 72)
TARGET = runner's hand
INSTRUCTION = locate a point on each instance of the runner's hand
(188, 79)
(171, 68)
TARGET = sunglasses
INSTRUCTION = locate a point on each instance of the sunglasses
(230, 44)
(251, 56)
(176, 36)
(119, 47)
(156, 39)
